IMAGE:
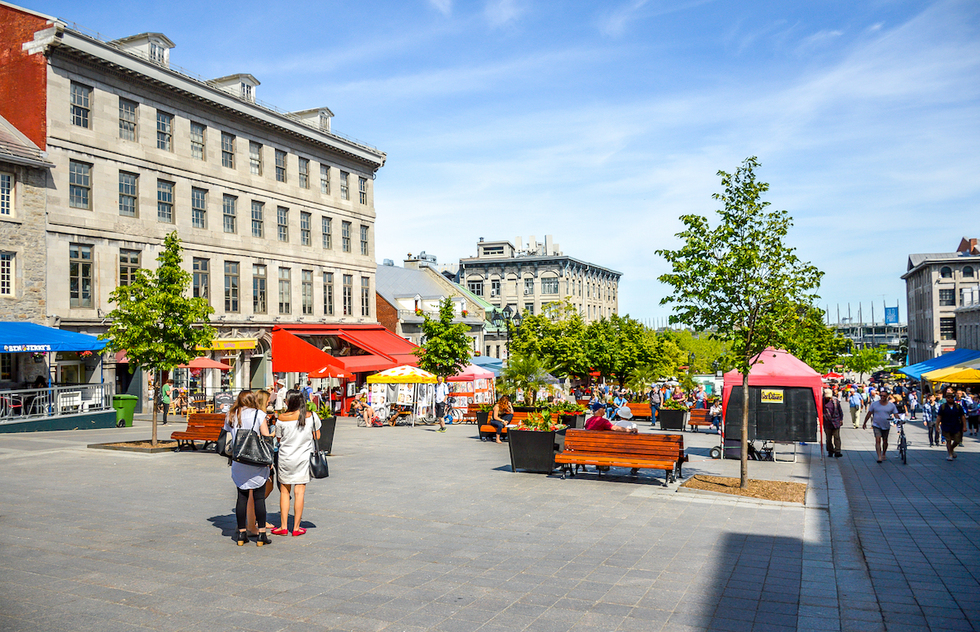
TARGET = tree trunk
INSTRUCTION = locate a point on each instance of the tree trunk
(745, 431)
(156, 397)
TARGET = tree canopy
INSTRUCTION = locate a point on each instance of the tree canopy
(155, 321)
(739, 279)
(866, 360)
(446, 350)
(557, 336)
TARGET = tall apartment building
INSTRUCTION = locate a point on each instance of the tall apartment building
(275, 210)
(505, 274)
(937, 286)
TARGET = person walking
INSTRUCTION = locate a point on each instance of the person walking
(297, 431)
(166, 397)
(832, 419)
(952, 422)
(655, 400)
(855, 402)
(442, 393)
(973, 413)
(244, 416)
(929, 409)
(880, 413)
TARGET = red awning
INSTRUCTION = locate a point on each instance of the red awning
(384, 349)
(292, 354)
(205, 363)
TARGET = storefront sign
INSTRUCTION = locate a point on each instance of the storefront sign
(230, 344)
(772, 396)
(25, 348)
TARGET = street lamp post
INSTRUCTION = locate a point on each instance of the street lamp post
(508, 318)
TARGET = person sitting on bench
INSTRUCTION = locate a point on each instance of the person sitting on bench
(501, 415)
(598, 421)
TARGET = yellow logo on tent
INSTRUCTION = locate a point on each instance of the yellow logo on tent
(772, 396)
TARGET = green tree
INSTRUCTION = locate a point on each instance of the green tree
(711, 354)
(667, 356)
(814, 342)
(617, 346)
(739, 280)
(155, 322)
(526, 372)
(866, 360)
(446, 350)
(557, 336)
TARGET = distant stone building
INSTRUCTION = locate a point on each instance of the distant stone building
(275, 210)
(938, 286)
(508, 275)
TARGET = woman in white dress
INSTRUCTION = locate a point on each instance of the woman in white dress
(297, 430)
(249, 479)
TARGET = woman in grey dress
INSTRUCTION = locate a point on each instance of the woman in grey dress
(249, 479)
(297, 430)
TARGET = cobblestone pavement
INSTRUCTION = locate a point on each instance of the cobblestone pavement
(416, 530)
(918, 528)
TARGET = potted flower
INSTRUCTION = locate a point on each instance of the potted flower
(673, 415)
(483, 414)
(418, 311)
(465, 313)
(570, 414)
(533, 443)
(328, 425)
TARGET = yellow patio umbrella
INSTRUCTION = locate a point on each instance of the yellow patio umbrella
(961, 376)
(402, 375)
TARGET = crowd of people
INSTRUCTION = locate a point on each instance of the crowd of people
(280, 416)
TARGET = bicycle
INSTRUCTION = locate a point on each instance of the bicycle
(453, 415)
(903, 443)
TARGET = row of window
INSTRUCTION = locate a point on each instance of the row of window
(80, 196)
(81, 116)
(81, 283)
(947, 298)
(947, 273)
(549, 285)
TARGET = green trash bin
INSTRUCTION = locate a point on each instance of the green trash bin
(125, 406)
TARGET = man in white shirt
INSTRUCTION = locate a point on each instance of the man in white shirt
(880, 412)
(442, 392)
(280, 396)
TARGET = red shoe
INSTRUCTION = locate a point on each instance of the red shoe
(298, 532)
(280, 532)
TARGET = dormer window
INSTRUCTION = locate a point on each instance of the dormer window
(154, 47)
(324, 121)
(247, 92)
(158, 54)
(241, 85)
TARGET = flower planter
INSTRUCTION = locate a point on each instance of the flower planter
(532, 451)
(482, 419)
(328, 425)
(574, 420)
(673, 419)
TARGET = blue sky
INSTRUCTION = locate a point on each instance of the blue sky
(601, 123)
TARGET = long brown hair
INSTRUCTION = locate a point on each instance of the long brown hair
(262, 399)
(246, 399)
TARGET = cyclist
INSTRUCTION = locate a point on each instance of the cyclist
(880, 412)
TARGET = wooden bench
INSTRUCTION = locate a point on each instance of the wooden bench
(487, 431)
(605, 448)
(200, 427)
(469, 417)
(640, 410)
(699, 417)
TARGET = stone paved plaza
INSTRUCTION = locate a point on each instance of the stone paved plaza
(416, 530)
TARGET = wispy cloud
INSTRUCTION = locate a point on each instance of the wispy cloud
(443, 6)
(501, 12)
(615, 22)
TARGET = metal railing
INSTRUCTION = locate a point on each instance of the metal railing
(39, 403)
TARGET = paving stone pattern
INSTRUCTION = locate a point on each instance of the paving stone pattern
(918, 528)
(414, 530)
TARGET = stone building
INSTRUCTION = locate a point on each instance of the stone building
(275, 210)
(23, 177)
(508, 275)
(938, 286)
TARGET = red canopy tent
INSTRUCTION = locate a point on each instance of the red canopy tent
(779, 368)
(293, 354)
(205, 363)
(833, 376)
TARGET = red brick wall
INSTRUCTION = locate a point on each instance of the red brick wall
(387, 314)
(23, 77)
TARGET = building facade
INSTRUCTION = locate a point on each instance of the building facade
(508, 275)
(937, 286)
(275, 210)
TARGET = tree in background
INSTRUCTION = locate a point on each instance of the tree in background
(739, 280)
(557, 336)
(446, 350)
(155, 322)
(711, 354)
(617, 346)
(812, 341)
(866, 360)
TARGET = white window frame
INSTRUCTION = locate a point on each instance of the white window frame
(8, 272)
(8, 185)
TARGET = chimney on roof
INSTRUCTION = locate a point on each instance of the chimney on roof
(968, 246)
(411, 263)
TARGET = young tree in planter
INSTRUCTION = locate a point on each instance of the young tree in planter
(525, 372)
(446, 350)
(155, 322)
(739, 280)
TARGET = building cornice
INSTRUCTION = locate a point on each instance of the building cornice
(74, 44)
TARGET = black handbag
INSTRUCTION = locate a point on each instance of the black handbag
(318, 462)
(223, 445)
(250, 448)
